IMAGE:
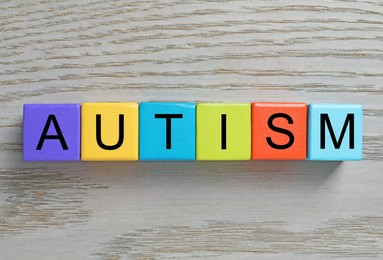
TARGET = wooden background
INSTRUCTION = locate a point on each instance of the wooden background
(146, 50)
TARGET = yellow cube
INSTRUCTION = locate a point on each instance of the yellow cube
(109, 132)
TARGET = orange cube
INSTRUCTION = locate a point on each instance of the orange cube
(279, 131)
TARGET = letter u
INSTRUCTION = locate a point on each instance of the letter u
(120, 134)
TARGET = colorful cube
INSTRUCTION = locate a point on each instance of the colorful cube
(51, 132)
(109, 131)
(335, 132)
(167, 131)
(279, 131)
(189, 131)
(223, 131)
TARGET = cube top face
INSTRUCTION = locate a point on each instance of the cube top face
(335, 132)
(223, 131)
(109, 131)
(279, 131)
(51, 132)
(167, 131)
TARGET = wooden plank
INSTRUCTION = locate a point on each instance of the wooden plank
(77, 51)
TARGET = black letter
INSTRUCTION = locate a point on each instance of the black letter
(325, 120)
(45, 135)
(280, 130)
(120, 135)
(168, 118)
(223, 131)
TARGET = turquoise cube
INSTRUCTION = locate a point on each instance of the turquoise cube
(167, 131)
(335, 132)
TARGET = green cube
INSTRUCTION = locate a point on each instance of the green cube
(223, 131)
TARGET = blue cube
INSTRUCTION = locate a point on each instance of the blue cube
(167, 131)
(335, 132)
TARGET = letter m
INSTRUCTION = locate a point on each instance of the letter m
(325, 121)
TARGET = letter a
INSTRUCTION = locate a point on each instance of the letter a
(45, 136)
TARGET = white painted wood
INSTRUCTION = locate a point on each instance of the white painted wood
(77, 51)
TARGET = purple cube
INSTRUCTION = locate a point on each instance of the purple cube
(51, 132)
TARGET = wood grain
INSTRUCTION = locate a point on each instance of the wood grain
(240, 50)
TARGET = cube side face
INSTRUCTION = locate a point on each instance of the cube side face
(279, 131)
(335, 132)
(167, 131)
(211, 117)
(114, 137)
(61, 139)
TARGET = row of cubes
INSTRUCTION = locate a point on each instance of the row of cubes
(190, 131)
